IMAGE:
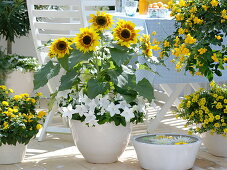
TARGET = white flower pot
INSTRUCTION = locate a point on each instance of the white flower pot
(10, 154)
(20, 82)
(166, 157)
(102, 143)
(215, 144)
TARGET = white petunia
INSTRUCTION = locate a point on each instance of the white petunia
(104, 102)
(92, 105)
(67, 111)
(81, 109)
(90, 119)
(123, 104)
(113, 109)
(128, 114)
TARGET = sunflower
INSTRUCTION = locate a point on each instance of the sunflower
(146, 45)
(60, 47)
(87, 39)
(125, 33)
(101, 21)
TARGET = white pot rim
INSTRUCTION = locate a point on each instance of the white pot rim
(133, 139)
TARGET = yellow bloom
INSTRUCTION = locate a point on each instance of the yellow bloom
(182, 3)
(216, 125)
(156, 47)
(39, 94)
(155, 41)
(153, 33)
(218, 37)
(11, 91)
(5, 103)
(217, 117)
(179, 17)
(87, 40)
(180, 143)
(101, 21)
(224, 14)
(38, 126)
(6, 125)
(146, 45)
(202, 50)
(193, 9)
(3, 87)
(41, 114)
(205, 7)
(214, 57)
(214, 3)
(189, 39)
(166, 44)
(197, 20)
(60, 47)
(181, 31)
(225, 130)
(125, 33)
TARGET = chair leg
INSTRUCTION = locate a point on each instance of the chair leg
(153, 123)
(47, 122)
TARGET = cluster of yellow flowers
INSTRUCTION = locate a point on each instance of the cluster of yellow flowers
(207, 108)
(18, 114)
(196, 35)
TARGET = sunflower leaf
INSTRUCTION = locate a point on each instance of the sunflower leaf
(95, 87)
(120, 56)
(64, 62)
(77, 56)
(47, 72)
(68, 80)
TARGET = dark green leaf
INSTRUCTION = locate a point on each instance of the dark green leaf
(95, 87)
(77, 57)
(120, 57)
(145, 89)
(68, 80)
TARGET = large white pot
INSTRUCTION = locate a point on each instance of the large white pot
(10, 154)
(102, 143)
(215, 144)
(166, 157)
(20, 82)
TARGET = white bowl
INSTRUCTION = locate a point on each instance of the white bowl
(166, 157)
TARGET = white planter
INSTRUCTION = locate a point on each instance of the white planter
(166, 157)
(10, 154)
(20, 82)
(215, 144)
(102, 143)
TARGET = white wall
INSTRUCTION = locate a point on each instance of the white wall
(24, 46)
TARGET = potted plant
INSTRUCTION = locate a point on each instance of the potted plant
(100, 92)
(15, 70)
(198, 45)
(166, 151)
(19, 122)
(207, 110)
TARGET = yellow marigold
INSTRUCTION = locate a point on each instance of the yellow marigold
(189, 39)
(39, 94)
(217, 117)
(38, 126)
(3, 87)
(5, 103)
(205, 7)
(11, 91)
(179, 17)
(5, 125)
(166, 44)
(156, 47)
(218, 37)
(216, 125)
(41, 114)
(202, 50)
(196, 20)
(182, 3)
(193, 9)
(214, 57)
(181, 31)
(17, 97)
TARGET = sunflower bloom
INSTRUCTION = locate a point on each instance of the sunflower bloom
(87, 40)
(101, 21)
(125, 33)
(60, 47)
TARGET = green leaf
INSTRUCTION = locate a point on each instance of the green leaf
(77, 57)
(47, 72)
(68, 80)
(64, 62)
(95, 87)
(145, 89)
(120, 57)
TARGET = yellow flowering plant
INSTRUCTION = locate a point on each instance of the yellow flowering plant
(197, 43)
(207, 109)
(19, 121)
(97, 62)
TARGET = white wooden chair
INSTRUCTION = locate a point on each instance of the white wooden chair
(49, 24)
(91, 6)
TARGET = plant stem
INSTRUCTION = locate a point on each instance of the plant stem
(9, 47)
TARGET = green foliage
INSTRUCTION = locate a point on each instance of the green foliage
(14, 21)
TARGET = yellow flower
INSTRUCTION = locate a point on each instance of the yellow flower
(224, 14)
(218, 37)
(225, 100)
(180, 143)
(216, 125)
(101, 21)
(39, 94)
(197, 20)
(60, 47)
(146, 45)
(156, 47)
(214, 57)
(125, 33)
(6, 125)
(202, 50)
(179, 17)
(214, 3)
(153, 33)
(189, 132)
(193, 9)
(5, 103)
(189, 39)
(3, 87)
(225, 130)
(155, 41)
(166, 44)
(87, 40)
(38, 126)
(181, 31)
(11, 91)
(24, 95)
(41, 114)
(217, 117)
(182, 3)
(205, 7)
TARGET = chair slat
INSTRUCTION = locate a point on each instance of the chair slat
(58, 26)
(98, 2)
(46, 37)
(53, 2)
(56, 13)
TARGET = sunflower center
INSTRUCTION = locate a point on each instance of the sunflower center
(61, 45)
(125, 33)
(101, 20)
(87, 40)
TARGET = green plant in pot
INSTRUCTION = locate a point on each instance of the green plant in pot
(19, 123)
(206, 112)
(99, 91)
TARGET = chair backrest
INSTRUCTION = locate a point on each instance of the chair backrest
(91, 6)
(51, 19)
